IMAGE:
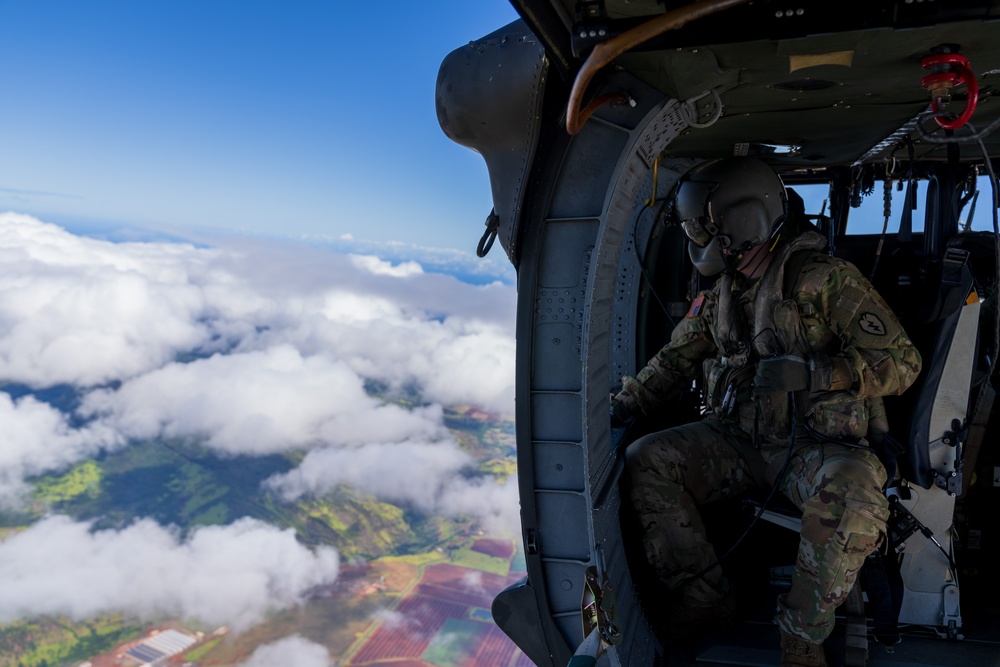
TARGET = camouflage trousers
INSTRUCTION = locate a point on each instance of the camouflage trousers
(838, 489)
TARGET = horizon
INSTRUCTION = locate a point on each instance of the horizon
(294, 121)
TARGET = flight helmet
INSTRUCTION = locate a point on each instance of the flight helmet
(727, 207)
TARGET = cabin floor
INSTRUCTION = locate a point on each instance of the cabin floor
(755, 643)
(753, 639)
(754, 569)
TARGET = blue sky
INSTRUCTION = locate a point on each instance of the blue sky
(292, 118)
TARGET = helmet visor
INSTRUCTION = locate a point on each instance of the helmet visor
(700, 231)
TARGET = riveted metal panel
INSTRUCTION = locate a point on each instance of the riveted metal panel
(565, 244)
(558, 466)
(560, 534)
(549, 417)
(565, 582)
(556, 364)
(590, 160)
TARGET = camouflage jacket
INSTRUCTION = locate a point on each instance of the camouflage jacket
(834, 316)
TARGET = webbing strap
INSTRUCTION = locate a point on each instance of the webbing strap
(793, 267)
(977, 430)
(906, 219)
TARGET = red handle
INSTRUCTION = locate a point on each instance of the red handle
(960, 73)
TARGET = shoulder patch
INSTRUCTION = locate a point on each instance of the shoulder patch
(696, 305)
(870, 323)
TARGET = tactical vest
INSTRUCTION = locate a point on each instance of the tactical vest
(777, 329)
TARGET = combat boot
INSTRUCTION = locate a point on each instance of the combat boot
(797, 652)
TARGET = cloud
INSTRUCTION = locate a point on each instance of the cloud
(36, 439)
(395, 620)
(253, 348)
(248, 348)
(495, 504)
(84, 312)
(228, 575)
(379, 267)
(412, 472)
(432, 477)
(450, 261)
(291, 651)
(450, 359)
(472, 582)
(257, 403)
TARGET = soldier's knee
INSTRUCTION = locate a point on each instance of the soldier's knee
(636, 455)
(858, 468)
(852, 491)
(650, 454)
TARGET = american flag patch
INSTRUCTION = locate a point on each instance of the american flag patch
(695, 309)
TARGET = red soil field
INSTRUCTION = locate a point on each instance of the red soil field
(458, 597)
(445, 591)
(462, 579)
(423, 618)
(496, 649)
(495, 548)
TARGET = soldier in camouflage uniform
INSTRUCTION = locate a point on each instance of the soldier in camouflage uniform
(817, 350)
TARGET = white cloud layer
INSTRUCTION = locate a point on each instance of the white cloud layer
(220, 574)
(425, 475)
(86, 312)
(256, 403)
(291, 651)
(250, 349)
(79, 311)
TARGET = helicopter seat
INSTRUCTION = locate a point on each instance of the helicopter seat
(913, 581)
(931, 421)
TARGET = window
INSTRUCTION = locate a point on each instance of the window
(870, 216)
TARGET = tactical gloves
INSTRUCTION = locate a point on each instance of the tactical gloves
(788, 373)
(620, 413)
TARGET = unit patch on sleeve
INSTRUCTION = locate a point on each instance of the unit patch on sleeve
(871, 323)
(695, 310)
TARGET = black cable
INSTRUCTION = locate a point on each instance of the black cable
(641, 264)
(887, 210)
(975, 136)
(929, 534)
(836, 441)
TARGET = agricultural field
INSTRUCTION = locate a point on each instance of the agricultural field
(443, 621)
(411, 587)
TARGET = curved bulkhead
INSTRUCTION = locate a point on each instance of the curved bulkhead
(577, 268)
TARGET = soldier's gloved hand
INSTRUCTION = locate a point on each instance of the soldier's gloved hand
(620, 413)
(792, 373)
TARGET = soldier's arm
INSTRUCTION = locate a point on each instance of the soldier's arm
(877, 357)
(679, 361)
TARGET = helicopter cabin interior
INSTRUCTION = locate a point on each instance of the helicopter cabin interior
(936, 265)
(880, 116)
